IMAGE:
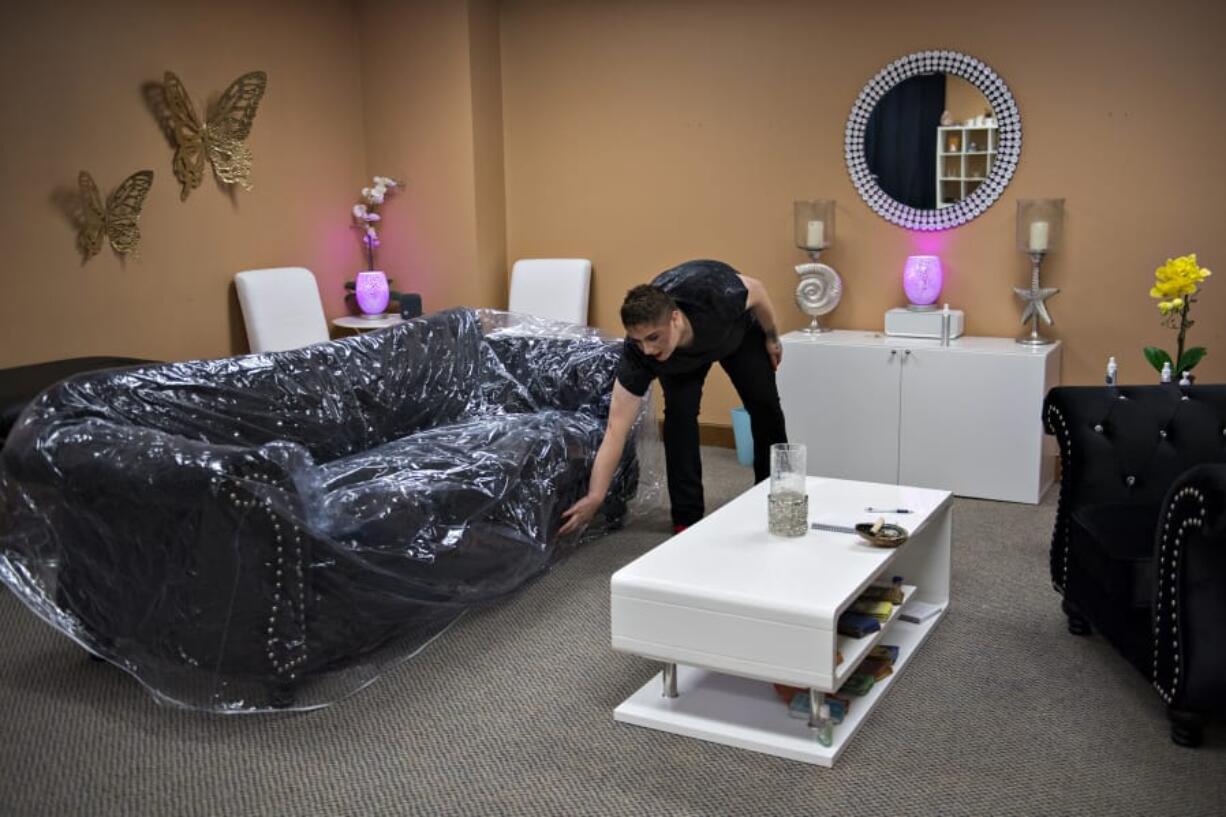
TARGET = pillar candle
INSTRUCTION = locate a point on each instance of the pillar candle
(1038, 236)
(815, 237)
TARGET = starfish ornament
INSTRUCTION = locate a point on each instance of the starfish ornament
(1034, 298)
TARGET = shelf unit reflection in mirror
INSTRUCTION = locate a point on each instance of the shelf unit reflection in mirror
(965, 155)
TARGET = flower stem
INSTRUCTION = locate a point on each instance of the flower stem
(1183, 331)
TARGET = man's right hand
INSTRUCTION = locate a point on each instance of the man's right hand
(622, 412)
(579, 515)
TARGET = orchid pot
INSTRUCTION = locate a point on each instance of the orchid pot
(372, 293)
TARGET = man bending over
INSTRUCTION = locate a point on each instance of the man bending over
(689, 317)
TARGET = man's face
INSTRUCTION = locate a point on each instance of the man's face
(657, 341)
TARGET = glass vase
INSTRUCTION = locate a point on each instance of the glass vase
(788, 503)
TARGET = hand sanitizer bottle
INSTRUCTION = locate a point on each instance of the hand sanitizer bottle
(1166, 372)
(1112, 371)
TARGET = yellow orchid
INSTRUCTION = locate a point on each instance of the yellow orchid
(1176, 278)
(1169, 289)
(1175, 287)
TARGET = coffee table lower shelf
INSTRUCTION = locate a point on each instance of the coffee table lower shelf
(747, 713)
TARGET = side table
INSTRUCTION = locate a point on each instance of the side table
(364, 324)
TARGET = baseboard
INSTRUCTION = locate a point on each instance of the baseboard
(720, 436)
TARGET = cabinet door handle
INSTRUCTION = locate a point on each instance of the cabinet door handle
(893, 353)
(906, 354)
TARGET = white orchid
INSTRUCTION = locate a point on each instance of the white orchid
(366, 218)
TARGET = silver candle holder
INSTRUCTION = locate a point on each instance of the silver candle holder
(820, 288)
(1039, 227)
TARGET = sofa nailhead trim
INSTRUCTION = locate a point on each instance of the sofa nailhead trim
(1167, 608)
(294, 652)
(1066, 454)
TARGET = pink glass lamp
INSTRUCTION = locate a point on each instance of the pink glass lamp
(372, 293)
(921, 280)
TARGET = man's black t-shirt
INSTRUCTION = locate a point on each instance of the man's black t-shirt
(712, 296)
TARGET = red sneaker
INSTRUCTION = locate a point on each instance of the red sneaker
(678, 528)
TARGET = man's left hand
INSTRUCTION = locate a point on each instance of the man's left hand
(774, 350)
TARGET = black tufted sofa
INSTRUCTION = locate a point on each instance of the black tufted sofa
(1139, 548)
(274, 530)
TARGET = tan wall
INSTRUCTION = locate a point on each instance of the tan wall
(485, 59)
(640, 134)
(72, 73)
(430, 77)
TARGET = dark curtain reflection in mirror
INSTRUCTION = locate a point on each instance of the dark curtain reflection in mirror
(900, 141)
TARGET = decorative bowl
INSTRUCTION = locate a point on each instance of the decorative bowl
(889, 535)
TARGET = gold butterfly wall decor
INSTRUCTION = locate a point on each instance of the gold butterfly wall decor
(116, 221)
(220, 139)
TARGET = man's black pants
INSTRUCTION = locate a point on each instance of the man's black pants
(749, 369)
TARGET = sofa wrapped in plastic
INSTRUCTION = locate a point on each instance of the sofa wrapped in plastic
(271, 531)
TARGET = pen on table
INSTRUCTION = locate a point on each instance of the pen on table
(888, 510)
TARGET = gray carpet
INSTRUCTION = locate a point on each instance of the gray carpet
(1003, 712)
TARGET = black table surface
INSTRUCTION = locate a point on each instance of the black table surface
(21, 384)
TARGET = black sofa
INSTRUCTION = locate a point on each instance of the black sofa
(271, 531)
(1139, 547)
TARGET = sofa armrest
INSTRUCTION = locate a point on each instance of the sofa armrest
(1189, 664)
(1126, 445)
(161, 547)
(1073, 417)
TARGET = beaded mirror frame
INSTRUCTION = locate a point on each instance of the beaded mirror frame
(1009, 133)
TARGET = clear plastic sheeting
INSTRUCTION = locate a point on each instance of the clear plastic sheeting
(271, 532)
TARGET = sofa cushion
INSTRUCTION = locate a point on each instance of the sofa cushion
(418, 375)
(476, 502)
(1119, 551)
(570, 373)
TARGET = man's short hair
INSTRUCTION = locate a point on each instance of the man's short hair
(647, 305)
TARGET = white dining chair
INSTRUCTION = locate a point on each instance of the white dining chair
(555, 288)
(281, 308)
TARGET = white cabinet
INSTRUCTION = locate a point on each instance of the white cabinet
(964, 418)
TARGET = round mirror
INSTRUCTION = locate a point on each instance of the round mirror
(933, 140)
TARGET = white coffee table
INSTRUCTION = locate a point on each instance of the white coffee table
(736, 607)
